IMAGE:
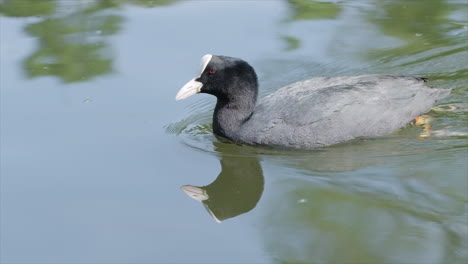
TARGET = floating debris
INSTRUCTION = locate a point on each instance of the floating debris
(87, 100)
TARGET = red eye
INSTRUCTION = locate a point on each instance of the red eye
(211, 71)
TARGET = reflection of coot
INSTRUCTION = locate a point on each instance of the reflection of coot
(308, 114)
(350, 156)
(237, 189)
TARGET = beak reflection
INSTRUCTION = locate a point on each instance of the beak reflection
(236, 190)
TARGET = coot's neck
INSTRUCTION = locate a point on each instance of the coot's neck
(231, 113)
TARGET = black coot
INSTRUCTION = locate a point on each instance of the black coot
(313, 113)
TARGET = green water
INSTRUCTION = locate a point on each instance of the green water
(95, 150)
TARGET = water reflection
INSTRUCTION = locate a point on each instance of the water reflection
(73, 36)
(27, 8)
(421, 25)
(305, 9)
(309, 10)
(345, 157)
(238, 187)
(404, 207)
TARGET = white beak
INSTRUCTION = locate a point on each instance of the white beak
(194, 87)
(189, 89)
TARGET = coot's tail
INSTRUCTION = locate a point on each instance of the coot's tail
(441, 93)
(424, 79)
(438, 93)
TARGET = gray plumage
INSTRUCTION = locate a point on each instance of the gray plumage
(324, 111)
(308, 114)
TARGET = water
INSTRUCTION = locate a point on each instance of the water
(94, 149)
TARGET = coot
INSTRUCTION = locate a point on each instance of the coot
(313, 113)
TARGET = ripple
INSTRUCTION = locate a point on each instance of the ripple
(195, 132)
(455, 107)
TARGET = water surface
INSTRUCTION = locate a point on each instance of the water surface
(94, 149)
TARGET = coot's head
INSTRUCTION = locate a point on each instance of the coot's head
(224, 77)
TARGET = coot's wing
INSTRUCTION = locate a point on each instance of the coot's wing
(325, 111)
